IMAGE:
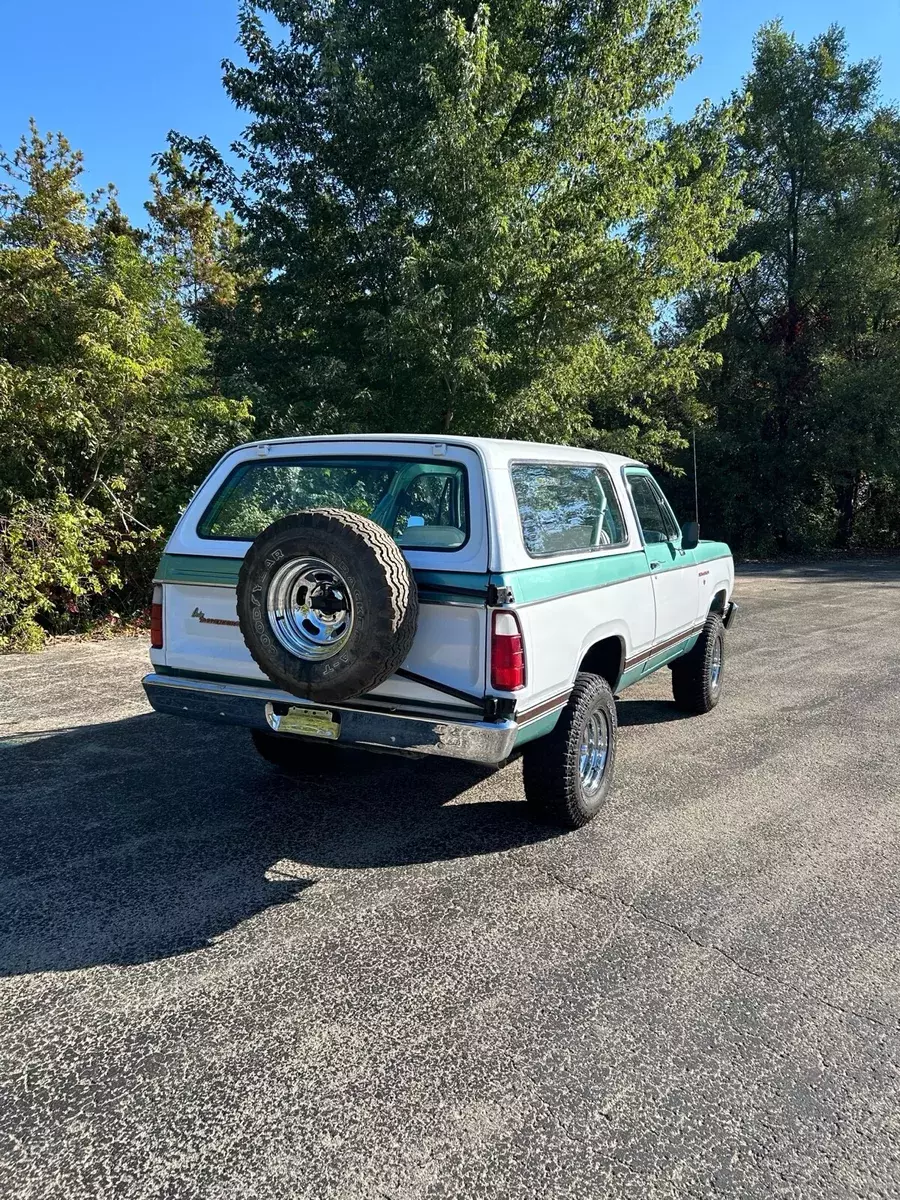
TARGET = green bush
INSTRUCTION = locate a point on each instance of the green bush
(108, 416)
(52, 554)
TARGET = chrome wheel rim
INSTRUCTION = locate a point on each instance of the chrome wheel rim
(310, 608)
(715, 666)
(594, 753)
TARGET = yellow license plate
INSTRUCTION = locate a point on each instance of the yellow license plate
(311, 722)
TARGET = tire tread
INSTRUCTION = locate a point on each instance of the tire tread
(691, 672)
(549, 764)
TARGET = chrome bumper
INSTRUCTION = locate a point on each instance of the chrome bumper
(488, 742)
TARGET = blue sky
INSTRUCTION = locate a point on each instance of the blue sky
(116, 75)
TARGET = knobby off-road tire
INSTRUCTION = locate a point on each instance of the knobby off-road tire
(294, 755)
(557, 786)
(381, 591)
(696, 681)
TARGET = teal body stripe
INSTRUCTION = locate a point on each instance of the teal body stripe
(430, 597)
(536, 729)
(198, 568)
(551, 580)
(630, 676)
(452, 587)
(205, 569)
(707, 551)
(530, 584)
(471, 580)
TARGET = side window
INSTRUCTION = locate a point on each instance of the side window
(668, 513)
(656, 522)
(565, 509)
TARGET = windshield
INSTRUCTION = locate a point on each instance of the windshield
(421, 504)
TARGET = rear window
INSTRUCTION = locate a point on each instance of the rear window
(564, 509)
(423, 505)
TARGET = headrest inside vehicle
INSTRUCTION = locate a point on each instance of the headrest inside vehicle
(431, 535)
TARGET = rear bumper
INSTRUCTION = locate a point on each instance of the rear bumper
(488, 742)
(731, 610)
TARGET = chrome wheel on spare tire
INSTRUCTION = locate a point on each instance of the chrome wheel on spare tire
(327, 604)
(310, 608)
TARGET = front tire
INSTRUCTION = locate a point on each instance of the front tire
(568, 773)
(697, 675)
(294, 756)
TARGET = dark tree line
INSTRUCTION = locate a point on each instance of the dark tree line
(801, 448)
(448, 216)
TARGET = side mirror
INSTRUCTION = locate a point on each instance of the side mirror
(690, 535)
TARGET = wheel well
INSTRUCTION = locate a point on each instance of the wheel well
(718, 604)
(606, 658)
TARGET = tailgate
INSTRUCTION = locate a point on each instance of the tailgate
(202, 635)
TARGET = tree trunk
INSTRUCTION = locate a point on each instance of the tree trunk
(846, 499)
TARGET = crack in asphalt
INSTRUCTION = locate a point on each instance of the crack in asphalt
(629, 907)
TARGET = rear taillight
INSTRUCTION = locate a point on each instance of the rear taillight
(156, 628)
(507, 653)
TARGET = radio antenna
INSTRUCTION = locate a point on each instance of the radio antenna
(696, 492)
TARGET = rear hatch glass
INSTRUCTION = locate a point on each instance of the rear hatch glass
(423, 505)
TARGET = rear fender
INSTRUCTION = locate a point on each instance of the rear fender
(610, 630)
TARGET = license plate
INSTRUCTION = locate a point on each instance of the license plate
(311, 722)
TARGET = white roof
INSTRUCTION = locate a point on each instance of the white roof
(496, 452)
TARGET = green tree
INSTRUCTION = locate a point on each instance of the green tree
(203, 246)
(186, 227)
(463, 218)
(105, 411)
(806, 435)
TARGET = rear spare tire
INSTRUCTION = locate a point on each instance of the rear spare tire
(327, 604)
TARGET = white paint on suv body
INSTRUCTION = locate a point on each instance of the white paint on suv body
(452, 642)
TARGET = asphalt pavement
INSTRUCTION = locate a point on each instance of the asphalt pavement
(388, 983)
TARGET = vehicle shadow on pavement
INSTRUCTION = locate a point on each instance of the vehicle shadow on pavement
(647, 712)
(138, 839)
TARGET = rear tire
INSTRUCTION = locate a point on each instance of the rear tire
(568, 773)
(293, 755)
(697, 676)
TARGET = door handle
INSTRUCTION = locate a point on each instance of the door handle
(654, 565)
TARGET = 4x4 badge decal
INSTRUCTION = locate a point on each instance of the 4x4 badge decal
(205, 620)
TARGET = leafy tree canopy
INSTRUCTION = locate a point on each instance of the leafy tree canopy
(464, 218)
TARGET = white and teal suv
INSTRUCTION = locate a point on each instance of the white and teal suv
(462, 597)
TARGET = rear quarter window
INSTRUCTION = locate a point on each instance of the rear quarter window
(566, 509)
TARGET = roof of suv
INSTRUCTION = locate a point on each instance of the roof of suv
(496, 452)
